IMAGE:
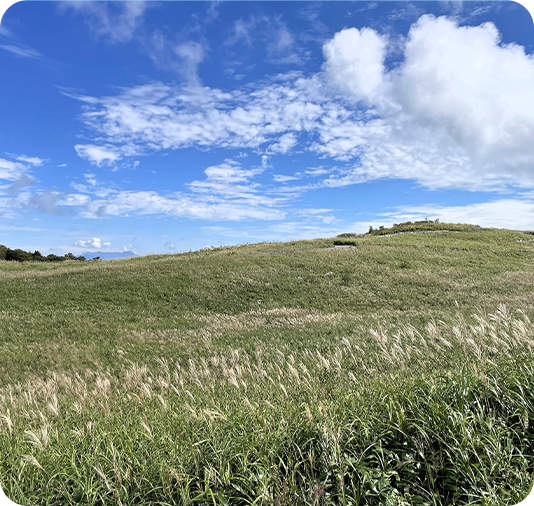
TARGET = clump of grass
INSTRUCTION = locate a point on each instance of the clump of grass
(438, 414)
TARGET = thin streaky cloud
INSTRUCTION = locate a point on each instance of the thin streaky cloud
(21, 51)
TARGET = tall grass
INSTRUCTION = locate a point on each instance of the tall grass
(437, 414)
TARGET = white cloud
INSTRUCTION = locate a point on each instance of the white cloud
(74, 199)
(4, 31)
(455, 114)
(298, 230)
(183, 206)
(277, 38)
(32, 160)
(115, 21)
(182, 57)
(227, 172)
(227, 193)
(163, 117)
(192, 55)
(318, 215)
(97, 155)
(21, 51)
(281, 178)
(285, 143)
(281, 38)
(288, 230)
(242, 30)
(317, 171)
(461, 80)
(10, 170)
(354, 62)
(94, 243)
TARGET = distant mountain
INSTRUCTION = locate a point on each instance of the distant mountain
(108, 255)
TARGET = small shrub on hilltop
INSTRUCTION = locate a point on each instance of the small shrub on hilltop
(345, 242)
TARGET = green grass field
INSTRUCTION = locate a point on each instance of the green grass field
(399, 371)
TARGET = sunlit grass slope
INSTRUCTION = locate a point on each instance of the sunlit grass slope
(397, 371)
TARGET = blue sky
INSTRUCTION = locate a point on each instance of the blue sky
(169, 126)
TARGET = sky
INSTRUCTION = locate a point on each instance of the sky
(162, 127)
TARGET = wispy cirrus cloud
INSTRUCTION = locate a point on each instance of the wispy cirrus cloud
(116, 22)
(180, 56)
(9, 43)
(4, 32)
(22, 51)
(123, 22)
(273, 32)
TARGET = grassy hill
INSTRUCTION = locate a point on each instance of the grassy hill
(398, 371)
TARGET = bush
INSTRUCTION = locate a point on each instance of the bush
(54, 258)
(345, 242)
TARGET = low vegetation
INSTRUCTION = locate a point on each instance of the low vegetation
(423, 226)
(19, 255)
(396, 372)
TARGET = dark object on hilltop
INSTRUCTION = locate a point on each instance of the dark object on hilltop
(344, 242)
(19, 255)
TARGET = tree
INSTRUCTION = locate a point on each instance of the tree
(37, 257)
(18, 255)
(3, 251)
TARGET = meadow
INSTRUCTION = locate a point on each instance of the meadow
(396, 371)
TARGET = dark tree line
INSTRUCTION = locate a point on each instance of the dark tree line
(19, 255)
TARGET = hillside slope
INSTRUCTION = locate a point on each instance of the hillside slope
(90, 310)
(395, 371)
